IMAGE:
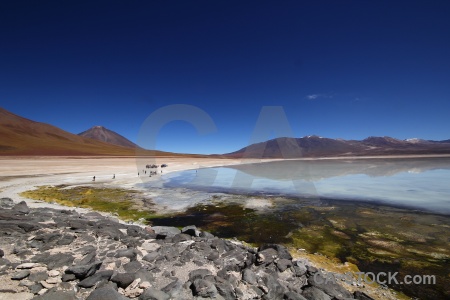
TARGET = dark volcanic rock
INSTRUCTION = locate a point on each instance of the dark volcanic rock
(225, 288)
(54, 260)
(38, 276)
(123, 280)
(129, 253)
(293, 296)
(313, 293)
(266, 256)
(88, 258)
(6, 203)
(147, 263)
(274, 288)
(57, 295)
(92, 280)
(249, 276)
(151, 256)
(173, 289)
(199, 274)
(329, 286)
(136, 231)
(68, 277)
(362, 296)
(35, 288)
(204, 288)
(20, 275)
(67, 239)
(84, 271)
(111, 232)
(132, 267)
(207, 235)
(21, 208)
(87, 249)
(181, 237)
(47, 238)
(153, 294)
(106, 293)
(299, 268)
(283, 264)
(282, 252)
(163, 232)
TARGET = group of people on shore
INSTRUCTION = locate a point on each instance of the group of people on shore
(143, 171)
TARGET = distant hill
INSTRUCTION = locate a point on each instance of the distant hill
(21, 136)
(315, 146)
(103, 134)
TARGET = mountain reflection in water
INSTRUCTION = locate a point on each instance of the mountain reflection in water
(421, 183)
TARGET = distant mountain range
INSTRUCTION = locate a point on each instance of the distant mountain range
(21, 136)
(315, 146)
(103, 134)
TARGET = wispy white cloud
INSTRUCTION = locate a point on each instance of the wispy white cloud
(319, 96)
(312, 97)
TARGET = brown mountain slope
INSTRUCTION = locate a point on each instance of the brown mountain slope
(103, 134)
(21, 136)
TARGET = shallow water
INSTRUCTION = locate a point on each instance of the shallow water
(352, 210)
(422, 184)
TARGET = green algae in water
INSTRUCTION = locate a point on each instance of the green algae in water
(375, 238)
(233, 220)
(128, 205)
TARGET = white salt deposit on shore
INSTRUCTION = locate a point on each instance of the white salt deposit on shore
(19, 174)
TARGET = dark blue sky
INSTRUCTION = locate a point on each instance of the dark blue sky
(340, 69)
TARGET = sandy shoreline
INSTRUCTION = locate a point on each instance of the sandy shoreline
(18, 174)
(21, 174)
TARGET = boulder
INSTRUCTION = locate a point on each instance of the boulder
(154, 294)
(92, 280)
(328, 284)
(106, 293)
(283, 264)
(54, 261)
(128, 253)
(173, 289)
(38, 276)
(204, 288)
(282, 251)
(6, 203)
(181, 237)
(20, 275)
(224, 288)
(199, 274)
(123, 280)
(266, 256)
(132, 267)
(83, 271)
(249, 276)
(293, 296)
(151, 256)
(313, 293)
(21, 208)
(163, 232)
(57, 295)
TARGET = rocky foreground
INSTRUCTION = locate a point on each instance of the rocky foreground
(62, 254)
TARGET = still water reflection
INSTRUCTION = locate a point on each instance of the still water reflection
(422, 184)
